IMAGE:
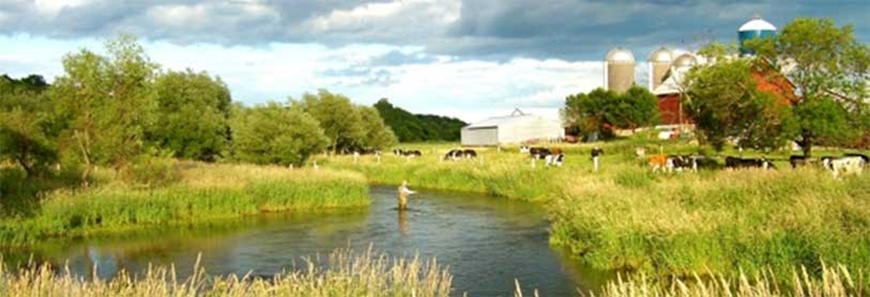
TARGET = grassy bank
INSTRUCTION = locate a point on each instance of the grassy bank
(204, 192)
(625, 217)
(346, 274)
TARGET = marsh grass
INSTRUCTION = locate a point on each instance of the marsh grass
(205, 192)
(342, 273)
(834, 281)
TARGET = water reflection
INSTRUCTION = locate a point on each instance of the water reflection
(486, 242)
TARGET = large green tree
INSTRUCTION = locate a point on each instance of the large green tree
(337, 115)
(603, 110)
(377, 135)
(724, 101)
(194, 111)
(23, 140)
(109, 101)
(830, 70)
(276, 134)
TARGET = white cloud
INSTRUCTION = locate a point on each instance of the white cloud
(53, 7)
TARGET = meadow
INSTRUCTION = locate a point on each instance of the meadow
(626, 218)
(203, 192)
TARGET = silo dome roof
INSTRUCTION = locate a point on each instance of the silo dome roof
(757, 24)
(620, 55)
(661, 55)
(686, 60)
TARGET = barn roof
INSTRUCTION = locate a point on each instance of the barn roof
(503, 120)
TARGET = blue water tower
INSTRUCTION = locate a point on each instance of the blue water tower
(755, 28)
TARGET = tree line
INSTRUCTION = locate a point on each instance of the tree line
(417, 127)
(121, 109)
(603, 110)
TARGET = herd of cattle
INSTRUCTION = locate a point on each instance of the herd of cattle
(847, 164)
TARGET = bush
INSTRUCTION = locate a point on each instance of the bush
(274, 134)
(152, 171)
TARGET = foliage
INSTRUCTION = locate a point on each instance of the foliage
(338, 117)
(724, 101)
(829, 67)
(110, 103)
(275, 134)
(153, 170)
(602, 110)
(410, 127)
(378, 135)
(194, 111)
(23, 142)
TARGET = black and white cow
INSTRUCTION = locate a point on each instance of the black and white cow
(539, 152)
(844, 165)
(554, 160)
(469, 154)
(740, 163)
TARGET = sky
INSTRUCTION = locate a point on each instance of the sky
(470, 59)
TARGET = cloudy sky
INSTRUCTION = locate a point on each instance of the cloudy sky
(462, 58)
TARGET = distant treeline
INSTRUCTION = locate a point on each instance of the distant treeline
(410, 127)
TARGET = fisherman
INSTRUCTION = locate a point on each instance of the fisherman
(596, 151)
(403, 194)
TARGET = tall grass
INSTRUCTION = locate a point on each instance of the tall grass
(206, 192)
(343, 273)
(834, 281)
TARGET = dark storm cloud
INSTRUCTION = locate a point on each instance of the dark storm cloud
(479, 29)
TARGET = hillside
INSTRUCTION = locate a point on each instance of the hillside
(410, 127)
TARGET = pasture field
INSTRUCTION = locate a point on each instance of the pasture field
(625, 217)
(203, 192)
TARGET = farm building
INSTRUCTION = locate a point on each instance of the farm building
(515, 128)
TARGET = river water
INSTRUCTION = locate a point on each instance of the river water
(486, 242)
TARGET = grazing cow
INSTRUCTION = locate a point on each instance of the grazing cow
(738, 163)
(681, 163)
(797, 161)
(539, 152)
(845, 165)
(660, 162)
(413, 153)
(640, 153)
(524, 149)
(554, 160)
(399, 152)
(453, 155)
(469, 154)
(862, 156)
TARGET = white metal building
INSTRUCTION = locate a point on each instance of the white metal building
(516, 128)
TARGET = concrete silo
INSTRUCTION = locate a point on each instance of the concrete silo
(755, 28)
(685, 61)
(659, 63)
(619, 70)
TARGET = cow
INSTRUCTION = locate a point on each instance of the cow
(539, 152)
(797, 161)
(681, 163)
(524, 149)
(845, 165)
(739, 163)
(413, 153)
(661, 162)
(862, 156)
(454, 155)
(469, 154)
(554, 160)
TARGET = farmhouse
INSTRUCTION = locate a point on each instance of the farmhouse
(515, 128)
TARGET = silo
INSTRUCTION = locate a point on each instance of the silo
(685, 61)
(755, 28)
(659, 63)
(619, 70)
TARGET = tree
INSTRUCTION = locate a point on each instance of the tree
(724, 101)
(378, 135)
(830, 70)
(338, 117)
(109, 101)
(194, 111)
(589, 111)
(635, 108)
(23, 141)
(275, 134)
(410, 127)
